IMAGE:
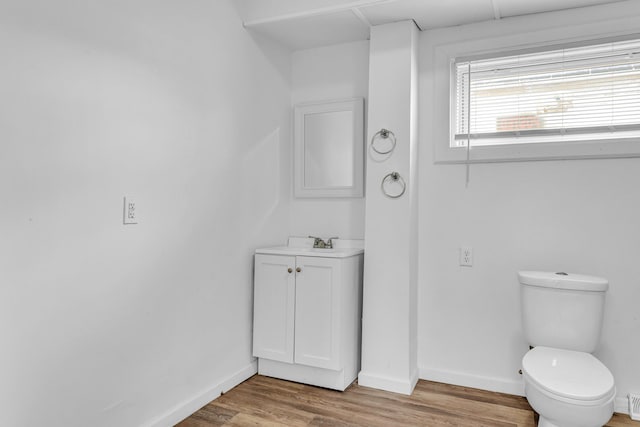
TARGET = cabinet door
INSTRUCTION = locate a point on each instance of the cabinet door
(273, 311)
(317, 334)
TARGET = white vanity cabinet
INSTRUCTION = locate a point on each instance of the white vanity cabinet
(307, 315)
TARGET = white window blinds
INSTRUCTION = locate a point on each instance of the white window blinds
(572, 94)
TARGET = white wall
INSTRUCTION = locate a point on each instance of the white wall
(322, 74)
(174, 103)
(577, 216)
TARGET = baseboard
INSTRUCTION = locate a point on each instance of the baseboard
(621, 405)
(395, 385)
(414, 378)
(320, 377)
(465, 379)
(186, 408)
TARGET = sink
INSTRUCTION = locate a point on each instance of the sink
(303, 247)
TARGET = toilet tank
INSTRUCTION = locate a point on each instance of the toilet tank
(562, 310)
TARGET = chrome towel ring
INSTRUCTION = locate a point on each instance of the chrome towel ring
(384, 134)
(393, 177)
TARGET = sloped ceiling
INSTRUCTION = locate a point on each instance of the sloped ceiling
(301, 24)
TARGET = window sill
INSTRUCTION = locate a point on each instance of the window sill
(576, 150)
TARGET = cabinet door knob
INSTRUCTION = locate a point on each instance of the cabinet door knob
(290, 270)
(298, 270)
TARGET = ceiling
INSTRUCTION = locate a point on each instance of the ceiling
(302, 24)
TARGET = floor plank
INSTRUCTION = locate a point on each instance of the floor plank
(264, 401)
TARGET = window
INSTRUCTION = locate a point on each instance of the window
(589, 92)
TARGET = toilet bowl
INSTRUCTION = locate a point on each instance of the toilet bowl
(568, 388)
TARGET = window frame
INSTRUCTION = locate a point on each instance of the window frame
(445, 57)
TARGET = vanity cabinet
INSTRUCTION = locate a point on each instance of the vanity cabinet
(307, 317)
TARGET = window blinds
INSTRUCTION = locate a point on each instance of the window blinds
(570, 94)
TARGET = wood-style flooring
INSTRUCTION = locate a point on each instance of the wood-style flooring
(263, 401)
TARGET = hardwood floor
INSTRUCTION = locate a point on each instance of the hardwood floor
(263, 401)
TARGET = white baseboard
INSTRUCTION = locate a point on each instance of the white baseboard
(395, 385)
(188, 407)
(621, 405)
(320, 377)
(465, 379)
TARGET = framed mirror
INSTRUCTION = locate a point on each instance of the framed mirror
(329, 149)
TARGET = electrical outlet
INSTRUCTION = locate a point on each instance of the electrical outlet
(129, 213)
(466, 256)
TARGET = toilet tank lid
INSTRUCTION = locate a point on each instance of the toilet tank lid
(578, 282)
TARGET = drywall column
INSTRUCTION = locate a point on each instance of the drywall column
(389, 324)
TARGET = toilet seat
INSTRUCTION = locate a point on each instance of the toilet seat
(570, 376)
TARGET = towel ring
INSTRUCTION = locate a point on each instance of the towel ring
(393, 177)
(384, 134)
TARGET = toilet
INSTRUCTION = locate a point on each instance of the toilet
(562, 318)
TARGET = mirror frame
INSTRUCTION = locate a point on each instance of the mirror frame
(356, 107)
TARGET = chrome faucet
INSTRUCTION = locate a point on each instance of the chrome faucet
(318, 243)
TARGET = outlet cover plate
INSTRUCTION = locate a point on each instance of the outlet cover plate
(466, 256)
(129, 211)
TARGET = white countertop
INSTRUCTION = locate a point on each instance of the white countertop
(302, 246)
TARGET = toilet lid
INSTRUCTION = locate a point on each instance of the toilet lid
(566, 373)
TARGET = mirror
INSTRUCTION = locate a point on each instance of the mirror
(329, 149)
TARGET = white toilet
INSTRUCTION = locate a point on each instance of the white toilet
(562, 319)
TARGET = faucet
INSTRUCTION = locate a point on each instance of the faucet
(318, 243)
